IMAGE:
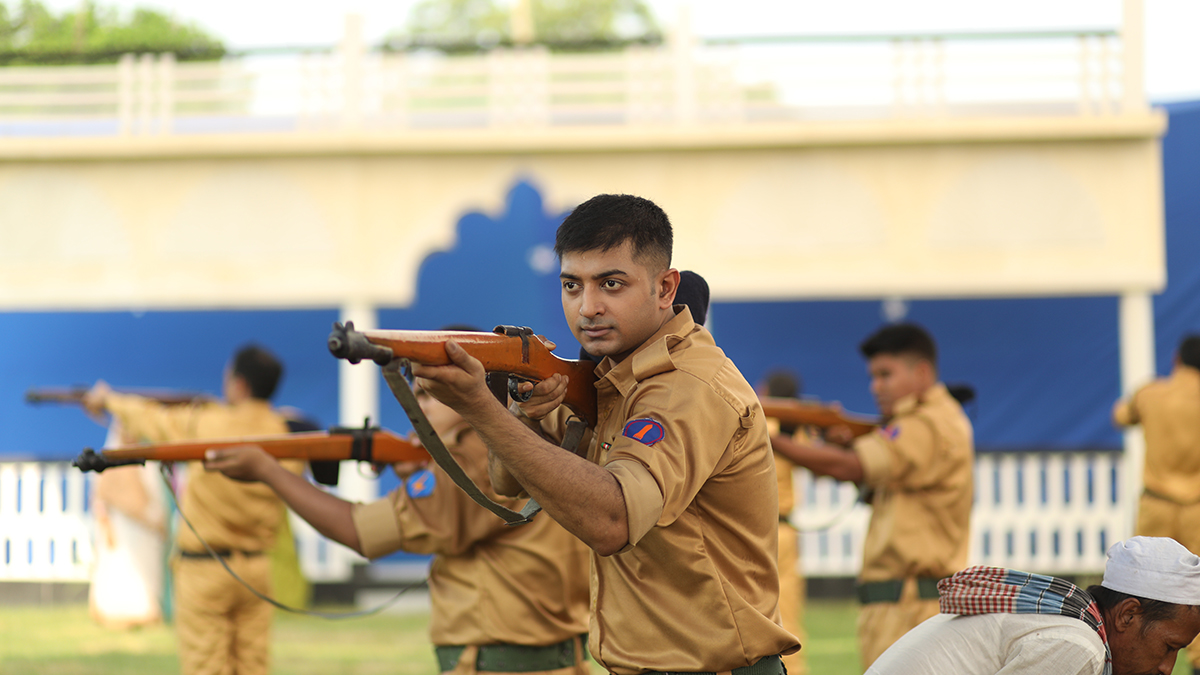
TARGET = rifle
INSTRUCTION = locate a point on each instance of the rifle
(74, 395)
(365, 444)
(514, 353)
(509, 355)
(804, 413)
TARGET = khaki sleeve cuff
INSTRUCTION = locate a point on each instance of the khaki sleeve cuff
(377, 527)
(1125, 414)
(875, 457)
(643, 498)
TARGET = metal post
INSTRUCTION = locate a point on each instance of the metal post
(358, 399)
(1136, 316)
(682, 43)
(166, 91)
(353, 50)
(125, 85)
(1133, 95)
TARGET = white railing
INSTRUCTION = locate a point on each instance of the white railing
(1045, 512)
(47, 528)
(686, 81)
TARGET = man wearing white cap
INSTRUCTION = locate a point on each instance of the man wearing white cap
(995, 620)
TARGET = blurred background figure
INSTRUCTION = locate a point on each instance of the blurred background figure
(920, 471)
(222, 626)
(792, 590)
(128, 585)
(1168, 410)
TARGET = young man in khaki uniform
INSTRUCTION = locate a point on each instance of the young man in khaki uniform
(1169, 412)
(919, 468)
(792, 591)
(504, 599)
(222, 627)
(677, 495)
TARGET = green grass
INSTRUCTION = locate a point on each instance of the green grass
(63, 640)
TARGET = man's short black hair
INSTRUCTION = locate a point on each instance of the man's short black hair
(260, 370)
(1153, 611)
(1189, 350)
(605, 222)
(901, 339)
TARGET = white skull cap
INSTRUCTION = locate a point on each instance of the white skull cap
(1156, 568)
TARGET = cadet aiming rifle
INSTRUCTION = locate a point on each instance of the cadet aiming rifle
(74, 395)
(365, 444)
(509, 355)
(803, 413)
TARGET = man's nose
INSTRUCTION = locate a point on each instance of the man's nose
(591, 303)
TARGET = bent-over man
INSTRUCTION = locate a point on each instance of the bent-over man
(997, 621)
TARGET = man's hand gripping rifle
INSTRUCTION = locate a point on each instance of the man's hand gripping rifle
(509, 354)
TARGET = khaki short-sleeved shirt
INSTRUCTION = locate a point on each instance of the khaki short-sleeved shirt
(921, 467)
(1169, 412)
(228, 514)
(489, 582)
(697, 587)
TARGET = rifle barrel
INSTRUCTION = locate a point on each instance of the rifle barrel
(820, 415)
(385, 447)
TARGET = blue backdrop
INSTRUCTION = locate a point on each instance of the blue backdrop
(1046, 370)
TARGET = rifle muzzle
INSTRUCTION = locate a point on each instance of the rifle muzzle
(347, 343)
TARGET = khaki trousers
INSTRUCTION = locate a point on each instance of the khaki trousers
(1159, 517)
(882, 623)
(791, 597)
(223, 629)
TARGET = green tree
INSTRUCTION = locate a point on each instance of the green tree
(558, 23)
(31, 33)
(582, 21)
(458, 22)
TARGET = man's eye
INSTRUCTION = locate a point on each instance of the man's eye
(611, 283)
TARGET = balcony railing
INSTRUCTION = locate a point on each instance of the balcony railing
(686, 81)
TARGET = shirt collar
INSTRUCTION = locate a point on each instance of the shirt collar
(935, 394)
(652, 357)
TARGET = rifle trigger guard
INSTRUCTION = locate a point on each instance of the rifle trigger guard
(516, 394)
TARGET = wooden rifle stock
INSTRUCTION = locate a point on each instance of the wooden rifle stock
(74, 395)
(516, 351)
(369, 444)
(804, 413)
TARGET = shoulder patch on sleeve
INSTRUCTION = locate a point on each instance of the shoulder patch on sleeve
(420, 484)
(644, 430)
(891, 431)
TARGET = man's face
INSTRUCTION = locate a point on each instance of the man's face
(894, 376)
(612, 303)
(1150, 649)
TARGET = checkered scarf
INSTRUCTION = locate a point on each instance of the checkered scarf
(994, 590)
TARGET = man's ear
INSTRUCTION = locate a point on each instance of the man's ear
(1127, 613)
(668, 286)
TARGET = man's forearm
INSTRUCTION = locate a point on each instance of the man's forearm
(329, 515)
(583, 497)
(838, 463)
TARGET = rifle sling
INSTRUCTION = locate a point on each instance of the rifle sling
(433, 444)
